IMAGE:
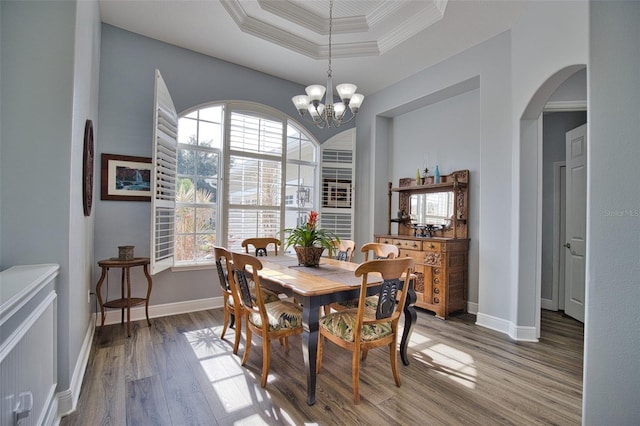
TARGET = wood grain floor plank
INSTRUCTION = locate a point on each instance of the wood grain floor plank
(103, 390)
(185, 400)
(459, 374)
(146, 404)
(140, 361)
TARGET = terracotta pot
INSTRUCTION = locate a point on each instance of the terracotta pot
(309, 256)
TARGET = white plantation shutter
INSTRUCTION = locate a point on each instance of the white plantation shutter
(163, 178)
(255, 201)
(338, 184)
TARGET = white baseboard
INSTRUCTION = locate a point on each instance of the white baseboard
(520, 334)
(68, 399)
(472, 308)
(113, 316)
(548, 304)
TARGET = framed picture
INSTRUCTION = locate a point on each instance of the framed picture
(125, 178)
(337, 193)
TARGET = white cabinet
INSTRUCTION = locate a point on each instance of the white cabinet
(28, 319)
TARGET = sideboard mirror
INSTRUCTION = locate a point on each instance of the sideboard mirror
(439, 208)
(434, 208)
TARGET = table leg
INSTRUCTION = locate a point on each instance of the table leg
(410, 318)
(310, 345)
(122, 278)
(128, 301)
(99, 293)
(149, 285)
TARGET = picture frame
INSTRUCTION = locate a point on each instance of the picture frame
(337, 193)
(125, 178)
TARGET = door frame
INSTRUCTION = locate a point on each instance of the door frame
(559, 195)
(527, 192)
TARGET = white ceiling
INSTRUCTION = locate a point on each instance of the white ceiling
(375, 43)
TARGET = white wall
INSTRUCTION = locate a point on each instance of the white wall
(612, 317)
(445, 133)
(49, 87)
(550, 37)
(485, 69)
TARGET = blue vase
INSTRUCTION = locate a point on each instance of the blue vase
(436, 175)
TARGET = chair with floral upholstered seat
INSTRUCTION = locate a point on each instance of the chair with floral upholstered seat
(231, 299)
(271, 321)
(231, 295)
(364, 328)
(378, 251)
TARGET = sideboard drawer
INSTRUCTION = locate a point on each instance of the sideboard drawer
(432, 246)
(408, 244)
(417, 256)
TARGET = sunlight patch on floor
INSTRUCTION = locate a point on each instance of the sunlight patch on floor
(418, 339)
(453, 363)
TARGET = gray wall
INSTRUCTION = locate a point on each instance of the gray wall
(554, 127)
(446, 133)
(127, 69)
(612, 340)
(481, 128)
(49, 88)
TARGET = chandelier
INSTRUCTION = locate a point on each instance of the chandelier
(329, 114)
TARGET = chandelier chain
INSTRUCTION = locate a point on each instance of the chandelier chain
(330, 31)
(330, 113)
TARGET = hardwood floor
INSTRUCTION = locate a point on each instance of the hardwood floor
(179, 372)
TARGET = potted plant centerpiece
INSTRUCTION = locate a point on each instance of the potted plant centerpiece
(309, 241)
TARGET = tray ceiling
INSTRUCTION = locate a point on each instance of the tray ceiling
(375, 42)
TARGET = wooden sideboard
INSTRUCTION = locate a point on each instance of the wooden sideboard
(441, 268)
(441, 257)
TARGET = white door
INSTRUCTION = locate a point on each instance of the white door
(576, 225)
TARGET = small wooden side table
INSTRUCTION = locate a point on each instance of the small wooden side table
(126, 301)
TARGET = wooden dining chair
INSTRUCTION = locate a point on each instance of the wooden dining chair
(380, 251)
(271, 321)
(260, 245)
(344, 250)
(231, 297)
(363, 328)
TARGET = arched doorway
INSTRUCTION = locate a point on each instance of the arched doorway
(530, 201)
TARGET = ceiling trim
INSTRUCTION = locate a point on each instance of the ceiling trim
(386, 39)
(319, 24)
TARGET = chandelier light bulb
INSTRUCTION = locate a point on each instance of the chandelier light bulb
(301, 102)
(356, 101)
(315, 92)
(346, 91)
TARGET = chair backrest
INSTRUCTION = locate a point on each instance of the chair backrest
(390, 299)
(344, 250)
(380, 251)
(223, 265)
(261, 244)
(243, 279)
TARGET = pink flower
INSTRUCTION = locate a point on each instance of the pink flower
(313, 220)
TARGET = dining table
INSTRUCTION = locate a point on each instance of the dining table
(316, 286)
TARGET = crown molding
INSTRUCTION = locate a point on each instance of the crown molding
(319, 24)
(558, 106)
(368, 43)
(418, 22)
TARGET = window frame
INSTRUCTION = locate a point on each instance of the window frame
(224, 170)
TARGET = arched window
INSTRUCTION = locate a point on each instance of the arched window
(243, 170)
